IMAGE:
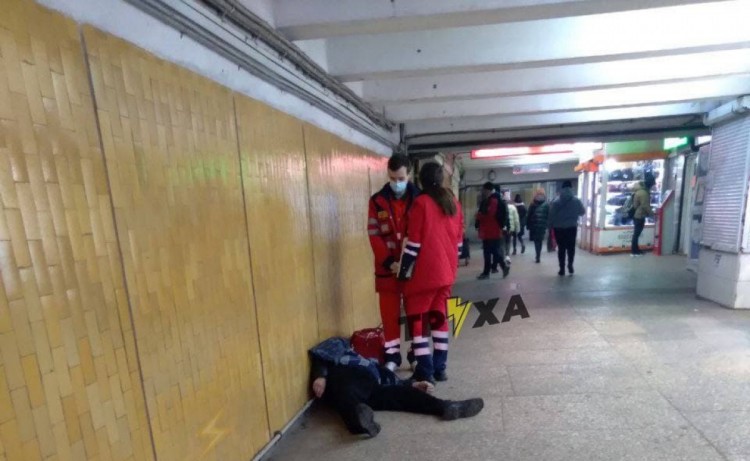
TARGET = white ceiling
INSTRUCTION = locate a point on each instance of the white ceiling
(460, 73)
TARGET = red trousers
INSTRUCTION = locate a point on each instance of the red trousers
(428, 307)
(390, 313)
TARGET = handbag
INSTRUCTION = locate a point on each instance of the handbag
(369, 343)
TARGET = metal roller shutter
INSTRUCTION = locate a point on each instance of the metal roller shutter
(727, 185)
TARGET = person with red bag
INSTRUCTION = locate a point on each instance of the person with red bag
(429, 264)
(387, 227)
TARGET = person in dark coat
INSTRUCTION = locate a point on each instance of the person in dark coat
(537, 221)
(522, 212)
(563, 218)
(355, 387)
(492, 218)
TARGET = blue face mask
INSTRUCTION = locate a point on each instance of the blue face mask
(398, 187)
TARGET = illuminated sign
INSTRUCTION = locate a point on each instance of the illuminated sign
(530, 169)
(512, 151)
(701, 140)
(673, 143)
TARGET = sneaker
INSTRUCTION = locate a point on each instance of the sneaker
(506, 271)
(462, 409)
(366, 420)
(391, 366)
(441, 376)
(507, 260)
(483, 276)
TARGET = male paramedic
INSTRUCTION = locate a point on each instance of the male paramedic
(387, 229)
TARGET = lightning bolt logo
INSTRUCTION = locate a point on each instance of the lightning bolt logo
(457, 311)
(215, 433)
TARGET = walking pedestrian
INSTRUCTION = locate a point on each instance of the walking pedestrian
(563, 218)
(537, 221)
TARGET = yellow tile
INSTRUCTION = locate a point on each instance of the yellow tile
(24, 418)
(33, 380)
(6, 404)
(31, 451)
(44, 431)
(11, 361)
(11, 438)
(71, 419)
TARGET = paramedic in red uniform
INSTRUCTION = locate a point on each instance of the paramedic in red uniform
(429, 264)
(387, 218)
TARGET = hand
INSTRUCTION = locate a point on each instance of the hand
(395, 267)
(424, 386)
(319, 387)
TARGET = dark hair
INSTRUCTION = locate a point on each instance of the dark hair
(518, 198)
(488, 186)
(431, 179)
(567, 184)
(397, 161)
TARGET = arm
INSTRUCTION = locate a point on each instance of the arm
(550, 214)
(383, 256)
(318, 374)
(413, 243)
(581, 208)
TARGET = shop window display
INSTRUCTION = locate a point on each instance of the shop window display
(621, 178)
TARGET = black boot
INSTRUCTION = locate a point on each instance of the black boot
(570, 269)
(366, 420)
(462, 409)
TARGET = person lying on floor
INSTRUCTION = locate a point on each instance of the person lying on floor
(355, 387)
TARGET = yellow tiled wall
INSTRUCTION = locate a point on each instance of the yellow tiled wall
(70, 387)
(340, 186)
(170, 143)
(278, 224)
(169, 250)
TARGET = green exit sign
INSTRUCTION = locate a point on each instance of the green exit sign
(673, 143)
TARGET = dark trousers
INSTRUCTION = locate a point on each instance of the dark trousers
(518, 237)
(346, 388)
(566, 245)
(493, 255)
(638, 225)
(538, 244)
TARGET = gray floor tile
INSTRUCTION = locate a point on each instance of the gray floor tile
(729, 431)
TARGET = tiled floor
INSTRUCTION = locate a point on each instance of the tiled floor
(619, 362)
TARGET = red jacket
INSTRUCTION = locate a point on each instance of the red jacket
(430, 257)
(387, 220)
(489, 227)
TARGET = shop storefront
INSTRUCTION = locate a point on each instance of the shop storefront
(606, 182)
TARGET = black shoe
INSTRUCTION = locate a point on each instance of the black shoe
(366, 420)
(561, 273)
(411, 359)
(462, 409)
(506, 271)
(441, 376)
(483, 276)
(570, 269)
(495, 271)
(523, 249)
(514, 252)
(536, 260)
